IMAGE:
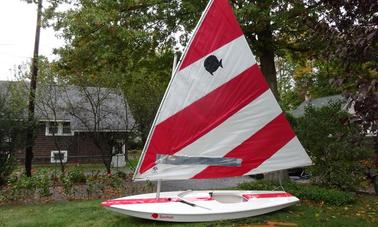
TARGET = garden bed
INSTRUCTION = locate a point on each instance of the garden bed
(48, 186)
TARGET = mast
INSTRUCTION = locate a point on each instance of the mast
(158, 185)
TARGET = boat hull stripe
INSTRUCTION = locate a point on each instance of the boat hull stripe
(192, 199)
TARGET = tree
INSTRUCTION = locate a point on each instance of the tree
(32, 92)
(12, 126)
(349, 30)
(124, 44)
(49, 105)
(145, 89)
(336, 147)
(272, 28)
(108, 40)
(102, 115)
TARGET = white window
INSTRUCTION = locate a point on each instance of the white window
(119, 148)
(55, 156)
(58, 128)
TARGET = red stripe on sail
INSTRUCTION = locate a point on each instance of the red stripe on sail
(255, 150)
(218, 28)
(203, 115)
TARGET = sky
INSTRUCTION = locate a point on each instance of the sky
(17, 24)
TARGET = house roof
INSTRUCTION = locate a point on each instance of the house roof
(87, 108)
(317, 103)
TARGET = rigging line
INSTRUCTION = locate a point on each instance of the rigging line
(132, 167)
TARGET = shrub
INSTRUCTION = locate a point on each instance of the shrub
(73, 176)
(43, 182)
(12, 128)
(7, 165)
(21, 187)
(335, 145)
(76, 175)
(309, 192)
(67, 185)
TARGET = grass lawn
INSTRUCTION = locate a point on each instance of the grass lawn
(89, 213)
(87, 167)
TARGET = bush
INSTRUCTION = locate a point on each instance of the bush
(21, 187)
(309, 192)
(43, 182)
(73, 176)
(76, 175)
(12, 129)
(7, 165)
(335, 145)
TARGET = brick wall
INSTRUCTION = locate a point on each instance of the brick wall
(80, 147)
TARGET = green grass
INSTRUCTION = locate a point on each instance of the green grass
(89, 213)
(83, 167)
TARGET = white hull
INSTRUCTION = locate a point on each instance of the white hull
(200, 206)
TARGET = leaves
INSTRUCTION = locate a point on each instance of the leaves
(334, 146)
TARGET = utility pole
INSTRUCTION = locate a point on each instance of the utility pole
(33, 86)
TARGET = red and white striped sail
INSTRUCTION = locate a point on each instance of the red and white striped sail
(221, 113)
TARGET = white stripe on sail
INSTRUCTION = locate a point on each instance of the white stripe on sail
(224, 138)
(289, 156)
(194, 82)
(236, 129)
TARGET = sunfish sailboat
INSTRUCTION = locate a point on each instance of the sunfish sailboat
(218, 118)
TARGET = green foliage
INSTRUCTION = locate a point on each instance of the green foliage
(21, 187)
(125, 45)
(73, 176)
(7, 165)
(76, 175)
(308, 192)
(43, 182)
(12, 127)
(335, 146)
(109, 40)
(145, 88)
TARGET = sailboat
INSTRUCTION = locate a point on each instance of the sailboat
(218, 119)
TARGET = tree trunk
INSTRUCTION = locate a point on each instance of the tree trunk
(33, 85)
(277, 176)
(267, 63)
(268, 68)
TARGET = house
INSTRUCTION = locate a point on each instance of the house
(76, 124)
(319, 103)
(325, 101)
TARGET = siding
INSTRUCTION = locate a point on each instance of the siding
(80, 147)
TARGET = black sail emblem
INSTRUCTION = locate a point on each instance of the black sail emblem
(212, 64)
